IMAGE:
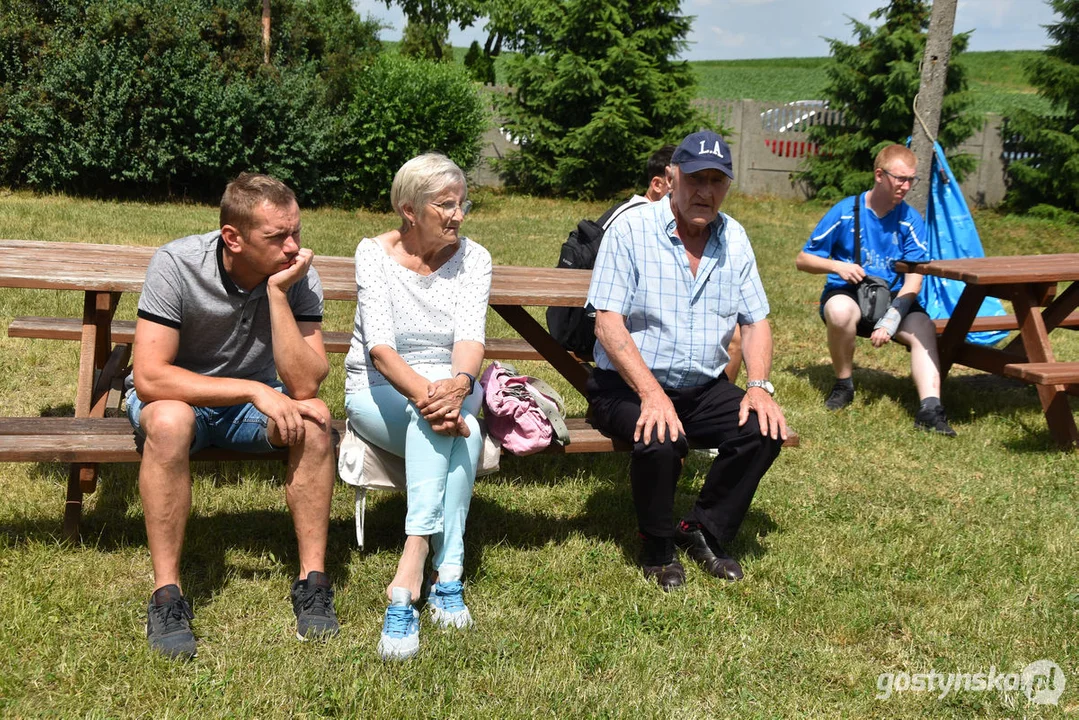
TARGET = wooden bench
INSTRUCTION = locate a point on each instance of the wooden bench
(80, 441)
(1003, 322)
(1047, 373)
(110, 440)
(90, 441)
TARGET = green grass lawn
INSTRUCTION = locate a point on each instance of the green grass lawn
(870, 549)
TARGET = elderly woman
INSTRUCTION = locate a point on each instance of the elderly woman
(411, 383)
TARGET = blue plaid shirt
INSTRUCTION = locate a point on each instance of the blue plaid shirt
(681, 323)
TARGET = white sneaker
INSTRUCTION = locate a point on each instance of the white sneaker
(447, 605)
(400, 628)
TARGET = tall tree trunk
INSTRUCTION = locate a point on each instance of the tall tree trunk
(927, 104)
(266, 32)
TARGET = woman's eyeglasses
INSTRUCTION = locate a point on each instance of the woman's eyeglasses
(450, 207)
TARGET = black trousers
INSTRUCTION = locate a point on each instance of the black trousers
(709, 415)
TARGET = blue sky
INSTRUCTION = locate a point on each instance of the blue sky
(738, 29)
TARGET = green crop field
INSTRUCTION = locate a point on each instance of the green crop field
(998, 80)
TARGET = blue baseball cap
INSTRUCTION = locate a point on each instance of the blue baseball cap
(702, 150)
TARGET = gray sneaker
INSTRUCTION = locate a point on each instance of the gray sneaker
(168, 624)
(312, 601)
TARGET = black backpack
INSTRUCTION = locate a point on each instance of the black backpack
(575, 327)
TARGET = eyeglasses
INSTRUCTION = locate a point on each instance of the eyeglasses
(450, 207)
(900, 179)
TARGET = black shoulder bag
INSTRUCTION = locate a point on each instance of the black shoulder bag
(874, 295)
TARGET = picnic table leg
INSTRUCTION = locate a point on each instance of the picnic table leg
(573, 370)
(1056, 311)
(1061, 307)
(1035, 338)
(94, 351)
(951, 342)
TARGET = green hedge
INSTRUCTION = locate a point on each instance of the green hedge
(151, 98)
(403, 107)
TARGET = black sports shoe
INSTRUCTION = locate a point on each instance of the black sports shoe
(312, 601)
(168, 624)
(841, 396)
(933, 420)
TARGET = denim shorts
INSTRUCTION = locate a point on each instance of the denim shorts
(233, 427)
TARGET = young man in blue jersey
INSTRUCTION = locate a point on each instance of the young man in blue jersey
(890, 230)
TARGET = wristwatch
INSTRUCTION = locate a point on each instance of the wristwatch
(763, 385)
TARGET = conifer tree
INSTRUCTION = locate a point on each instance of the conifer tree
(873, 83)
(596, 89)
(430, 41)
(1049, 175)
(481, 66)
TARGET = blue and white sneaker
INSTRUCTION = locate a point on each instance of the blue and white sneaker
(400, 628)
(447, 603)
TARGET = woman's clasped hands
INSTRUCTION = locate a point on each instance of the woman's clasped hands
(442, 406)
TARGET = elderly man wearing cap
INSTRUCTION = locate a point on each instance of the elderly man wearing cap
(672, 281)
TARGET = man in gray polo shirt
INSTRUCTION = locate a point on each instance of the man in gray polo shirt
(228, 353)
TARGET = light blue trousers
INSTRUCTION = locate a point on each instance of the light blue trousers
(440, 470)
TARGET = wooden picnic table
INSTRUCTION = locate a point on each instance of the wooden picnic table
(1030, 283)
(104, 272)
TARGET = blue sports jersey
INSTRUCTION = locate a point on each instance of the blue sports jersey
(899, 235)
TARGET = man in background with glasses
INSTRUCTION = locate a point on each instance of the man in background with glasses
(890, 230)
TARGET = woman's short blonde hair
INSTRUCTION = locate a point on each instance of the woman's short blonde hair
(422, 178)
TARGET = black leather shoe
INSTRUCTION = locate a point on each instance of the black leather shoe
(708, 555)
(669, 576)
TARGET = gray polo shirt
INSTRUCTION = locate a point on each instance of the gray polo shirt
(224, 330)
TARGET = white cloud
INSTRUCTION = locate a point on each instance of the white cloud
(728, 39)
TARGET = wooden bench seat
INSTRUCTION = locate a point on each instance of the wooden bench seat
(123, 332)
(1003, 322)
(1054, 373)
(85, 442)
(110, 440)
(583, 437)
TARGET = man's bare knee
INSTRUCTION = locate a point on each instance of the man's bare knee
(920, 329)
(841, 312)
(317, 436)
(168, 425)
